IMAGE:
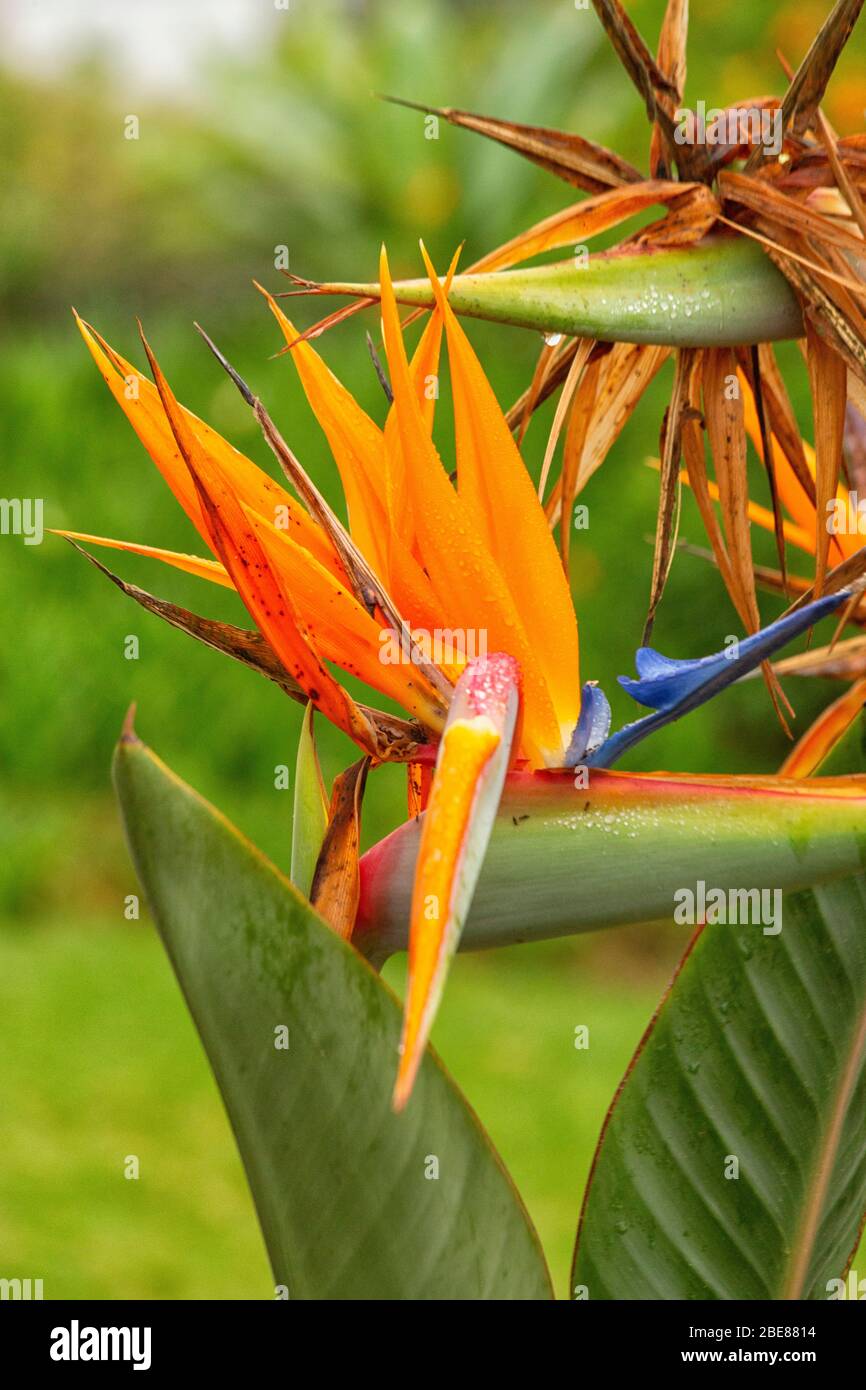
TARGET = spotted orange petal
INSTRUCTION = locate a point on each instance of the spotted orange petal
(139, 400)
(270, 606)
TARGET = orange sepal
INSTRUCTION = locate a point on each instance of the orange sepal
(271, 608)
(466, 581)
(498, 493)
(139, 401)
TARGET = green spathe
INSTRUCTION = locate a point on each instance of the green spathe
(576, 852)
(721, 292)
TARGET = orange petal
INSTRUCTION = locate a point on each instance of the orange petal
(493, 482)
(466, 581)
(360, 450)
(467, 784)
(342, 630)
(821, 738)
(140, 402)
(270, 606)
(190, 564)
(403, 551)
(355, 440)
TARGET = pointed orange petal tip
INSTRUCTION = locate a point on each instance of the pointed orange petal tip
(473, 759)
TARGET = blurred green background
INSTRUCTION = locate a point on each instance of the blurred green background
(258, 128)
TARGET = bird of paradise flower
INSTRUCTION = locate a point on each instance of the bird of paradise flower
(421, 554)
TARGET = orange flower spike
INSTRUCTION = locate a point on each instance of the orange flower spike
(424, 372)
(270, 606)
(473, 758)
(342, 630)
(360, 450)
(354, 439)
(140, 402)
(466, 580)
(211, 570)
(493, 481)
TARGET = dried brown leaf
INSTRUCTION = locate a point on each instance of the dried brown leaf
(780, 412)
(844, 661)
(626, 372)
(572, 450)
(400, 737)
(846, 184)
(823, 312)
(671, 62)
(723, 412)
(659, 93)
(847, 574)
(828, 380)
(689, 219)
(854, 445)
(579, 162)
(336, 886)
(760, 196)
(578, 362)
(529, 401)
(809, 83)
(582, 221)
(669, 489)
(696, 468)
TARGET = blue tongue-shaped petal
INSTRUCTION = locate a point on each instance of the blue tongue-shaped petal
(593, 726)
(650, 663)
(671, 688)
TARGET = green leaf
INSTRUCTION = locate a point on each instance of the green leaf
(339, 1181)
(758, 1055)
(310, 812)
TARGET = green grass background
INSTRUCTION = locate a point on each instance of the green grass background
(286, 145)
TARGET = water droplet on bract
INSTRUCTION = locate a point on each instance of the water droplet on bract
(552, 339)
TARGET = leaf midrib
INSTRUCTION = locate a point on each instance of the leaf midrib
(822, 1172)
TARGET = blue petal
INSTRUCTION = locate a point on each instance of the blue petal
(671, 688)
(593, 726)
(651, 663)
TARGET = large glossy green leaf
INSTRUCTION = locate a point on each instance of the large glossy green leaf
(354, 1201)
(755, 1064)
